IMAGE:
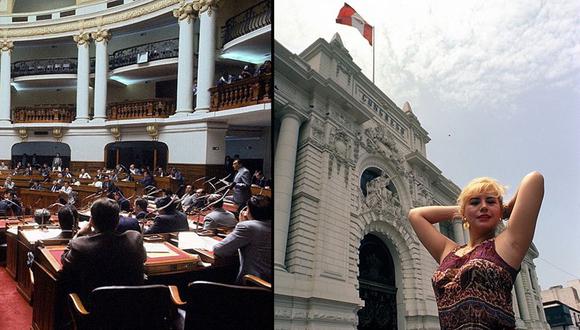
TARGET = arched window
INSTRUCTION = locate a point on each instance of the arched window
(150, 154)
(371, 174)
(38, 153)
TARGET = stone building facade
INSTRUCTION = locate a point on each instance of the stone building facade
(349, 164)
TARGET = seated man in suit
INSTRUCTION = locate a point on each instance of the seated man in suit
(68, 217)
(169, 218)
(140, 208)
(218, 217)
(127, 223)
(105, 257)
(123, 202)
(253, 237)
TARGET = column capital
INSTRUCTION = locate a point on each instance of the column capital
(102, 35)
(185, 12)
(82, 38)
(6, 45)
(290, 111)
(206, 5)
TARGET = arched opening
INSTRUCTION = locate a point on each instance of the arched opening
(150, 154)
(39, 153)
(376, 286)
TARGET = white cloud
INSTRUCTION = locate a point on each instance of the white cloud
(469, 53)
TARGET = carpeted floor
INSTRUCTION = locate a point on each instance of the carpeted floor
(15, 313)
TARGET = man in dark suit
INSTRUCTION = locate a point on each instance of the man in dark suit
(169, 219)
(241, 185)
(253, 237)
(140, 208)
(105, 257)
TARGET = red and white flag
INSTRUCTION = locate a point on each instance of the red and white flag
(348, 16)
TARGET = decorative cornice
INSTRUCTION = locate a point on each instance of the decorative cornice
(101, 35)
(87, 23)
(6, 45)
(185, 12)
(202, 6)
(82, 38)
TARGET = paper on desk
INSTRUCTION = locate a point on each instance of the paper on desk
(156, 248)
(191, 240)
(36, 235)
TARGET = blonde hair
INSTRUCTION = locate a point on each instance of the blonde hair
(478, 186)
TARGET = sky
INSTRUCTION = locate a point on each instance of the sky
(496, 84)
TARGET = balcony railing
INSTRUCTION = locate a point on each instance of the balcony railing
(242, 93)
(44, 113)
(144, 53)
(44, 66)
(153, 108)
(253, 18)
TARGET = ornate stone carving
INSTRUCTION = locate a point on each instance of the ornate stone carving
(57, 133)
(101, 35)
(82, 38)
(206, 5)
(6, 45)
(380, 200)
(317, 129)
(339, 147)
(186, 12)
(23, 133)
(116, 132)
(380, 140)
(153, 131)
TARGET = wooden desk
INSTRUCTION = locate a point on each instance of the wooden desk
(26, 239)
(49, 309)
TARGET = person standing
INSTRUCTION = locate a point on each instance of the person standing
(473, 283)
(57, 163)
(241, 184)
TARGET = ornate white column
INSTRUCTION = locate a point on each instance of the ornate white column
(101, 38)
(458, 231)
(524, 272)
(284, 166)
(206, 53)
(521, 298)
(83, 68)
(186, 16)
(6, 47)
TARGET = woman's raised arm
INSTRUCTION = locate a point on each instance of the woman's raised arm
(422, 220)
(513, 243)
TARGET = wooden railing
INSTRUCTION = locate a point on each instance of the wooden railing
(242, 93)
(44, 113)
(153, 108)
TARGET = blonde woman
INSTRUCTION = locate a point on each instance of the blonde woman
(473, 282)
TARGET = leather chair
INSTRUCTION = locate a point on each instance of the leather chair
(213, 305)
(128, 307)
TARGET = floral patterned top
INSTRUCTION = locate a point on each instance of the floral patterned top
(474, 291)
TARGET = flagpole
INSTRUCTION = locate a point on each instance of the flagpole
(373, 54)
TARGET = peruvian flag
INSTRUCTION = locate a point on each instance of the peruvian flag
(348, 16)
